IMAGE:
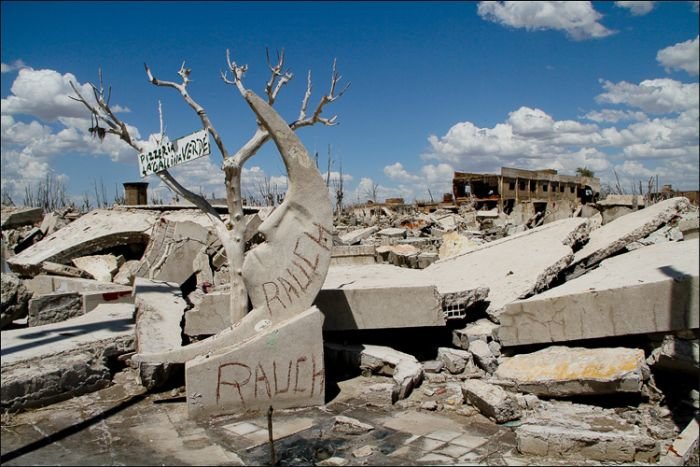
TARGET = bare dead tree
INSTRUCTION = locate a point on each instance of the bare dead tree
(231, 232)
(339, 192)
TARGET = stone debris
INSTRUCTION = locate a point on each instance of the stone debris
(483, 355)
(99, 267)
(18, 217)
(98, 230)
(349, 425)
(455, 360)
(491, 400)
(684, 447)
(15, 299)
(54, 308)
(572, 431)
(676, 354)
(606, 270)
(567, 371)
(175, 242)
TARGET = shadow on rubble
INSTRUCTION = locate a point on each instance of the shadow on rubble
(71, 430)
(56, 334)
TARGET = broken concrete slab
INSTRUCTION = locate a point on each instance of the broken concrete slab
(281, 367)
(62, 270)
(567, 371)
(689, 225)
(176, 240)
(404, 369)
(491, 400)
(15, 299)
(652, 289)
(99, 267)
(92, 292)
(676, 354)
(614, 236)
(349, 425)
(17, 217)
(392, 232)
(28, 239)
(354, 237)
(684, 447)
(95, 231)
(209, 315)
(160, 308)
(352, 255)
(363, 297)
(45, 364)
(501, 266)
(54, 308)
(574, 431)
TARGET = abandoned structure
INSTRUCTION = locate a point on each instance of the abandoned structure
(518, 185)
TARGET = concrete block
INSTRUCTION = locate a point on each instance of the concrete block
(54, 308)
(92, 292)
(175, 243)
(160, 308)
(282, 367)
(652, 289)
(581, 432)
(676, 354)
(210, 315)
(567, 371)
(127, 272)
(53, 362)
(491, 400)
(689, 225)
(95, 231)
(405, 370)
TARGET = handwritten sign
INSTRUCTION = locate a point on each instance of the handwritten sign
(168, 154)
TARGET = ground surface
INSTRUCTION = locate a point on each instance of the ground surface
(123, 425)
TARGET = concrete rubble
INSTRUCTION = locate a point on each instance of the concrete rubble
(613, 284)
(567, 371)
(653, 289)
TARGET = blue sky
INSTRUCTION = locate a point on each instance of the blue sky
(435, 87)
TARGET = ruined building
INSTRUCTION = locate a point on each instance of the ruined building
(513, 186)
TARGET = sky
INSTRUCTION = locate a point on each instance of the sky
(434, 87)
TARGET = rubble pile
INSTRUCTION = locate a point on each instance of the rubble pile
(563, 325)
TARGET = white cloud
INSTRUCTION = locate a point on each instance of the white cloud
(44, 94)
(578, 19)
(661, 95)
(682, 56)
(16, 65)
(614, 116)
(637, 8)
(398, 173)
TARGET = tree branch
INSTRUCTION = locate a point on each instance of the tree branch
(182, 89)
